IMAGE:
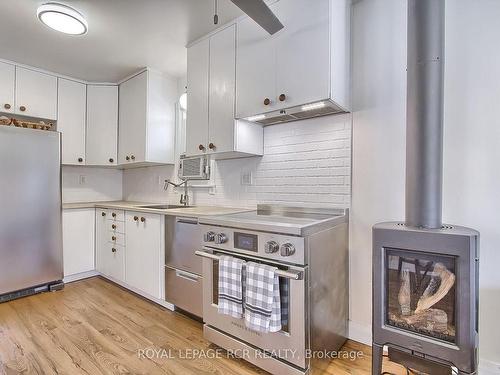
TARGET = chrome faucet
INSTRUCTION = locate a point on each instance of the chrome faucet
(184, 197)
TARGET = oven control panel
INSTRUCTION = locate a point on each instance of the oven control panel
(279, 247)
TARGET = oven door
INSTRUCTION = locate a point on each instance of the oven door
(290, 343)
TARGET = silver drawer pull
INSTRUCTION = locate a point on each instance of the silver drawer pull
(186, 275)
(294, 275)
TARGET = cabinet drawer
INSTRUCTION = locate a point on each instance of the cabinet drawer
(116, 226)
(184, 290)
(116, 215)
(116, 238)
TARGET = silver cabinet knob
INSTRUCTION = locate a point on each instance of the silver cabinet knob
(209, 237)
(220, 238)
(271, 247)
(287, 250)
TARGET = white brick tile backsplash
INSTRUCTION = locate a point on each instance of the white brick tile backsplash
(304, 162)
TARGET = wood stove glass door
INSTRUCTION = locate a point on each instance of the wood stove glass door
(420, 293)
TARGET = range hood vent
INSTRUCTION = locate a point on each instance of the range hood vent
(301, 112)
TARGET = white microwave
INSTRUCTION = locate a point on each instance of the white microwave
(194, 168)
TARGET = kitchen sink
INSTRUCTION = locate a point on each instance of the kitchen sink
(164, 206)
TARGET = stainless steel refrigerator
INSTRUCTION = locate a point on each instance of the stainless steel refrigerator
(31, 258)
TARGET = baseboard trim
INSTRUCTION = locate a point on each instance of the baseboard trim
(80, 276)
(160, 302)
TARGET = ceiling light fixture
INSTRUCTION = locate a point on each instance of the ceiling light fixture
(62, 18)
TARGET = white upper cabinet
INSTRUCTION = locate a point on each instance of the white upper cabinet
(7, 84)
(102, 125)
(255, 70)
(222, 90)
(147, 120)
(71, 120)
(211, 87)
(36, 94)
(305, 62)
(302, 52)
(197, 97)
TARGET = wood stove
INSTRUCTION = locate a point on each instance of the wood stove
(425, 302)
(425, 274)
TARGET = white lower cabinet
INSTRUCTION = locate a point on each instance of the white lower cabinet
(144, 258)
(131, 249)
(110, 255)
(78, 241)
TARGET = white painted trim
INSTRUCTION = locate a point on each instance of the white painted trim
(160, 302)
(58, 75)
(360, 333)
(80, 276)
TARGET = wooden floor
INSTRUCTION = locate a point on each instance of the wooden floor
(95, 327)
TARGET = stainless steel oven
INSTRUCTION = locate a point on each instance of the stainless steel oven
(288, 344)
(309, 249)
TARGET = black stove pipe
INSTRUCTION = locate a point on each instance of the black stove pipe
(424, 112)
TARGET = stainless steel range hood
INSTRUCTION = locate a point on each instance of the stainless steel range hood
(300, 112)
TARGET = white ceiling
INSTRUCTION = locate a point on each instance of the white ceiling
(124, 36)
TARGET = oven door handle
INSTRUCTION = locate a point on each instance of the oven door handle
(294, 275)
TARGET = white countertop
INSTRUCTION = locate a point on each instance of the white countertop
(194, 211)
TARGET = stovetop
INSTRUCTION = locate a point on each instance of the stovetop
(299, 221)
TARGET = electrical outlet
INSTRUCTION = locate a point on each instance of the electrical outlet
(82, 180)
(246, 178)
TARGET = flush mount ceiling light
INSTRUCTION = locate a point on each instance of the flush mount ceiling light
(62, 18)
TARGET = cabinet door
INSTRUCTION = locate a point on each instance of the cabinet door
(36, 94)
(102, 125)
(78, 240)
(133, 119)
(197, 97)
(302, 52)
(255, 70)
(144, 261)
(222, 90)
(7, 79)
(71, 120)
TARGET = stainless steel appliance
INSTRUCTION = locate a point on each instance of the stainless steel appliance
(309, 247)
(425, 274)
(183, 279)
(30, 199)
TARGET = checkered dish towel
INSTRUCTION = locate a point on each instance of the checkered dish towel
(262, 298)
(231, 286)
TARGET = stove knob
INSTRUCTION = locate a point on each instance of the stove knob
(271, 247)
(209, 237)
(287, 250)
(220, 238)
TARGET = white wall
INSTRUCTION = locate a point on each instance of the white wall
(305, 162)
(100, 184)
(471, 149)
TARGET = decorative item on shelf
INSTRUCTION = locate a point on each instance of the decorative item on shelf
(5, 120)
(41, 125)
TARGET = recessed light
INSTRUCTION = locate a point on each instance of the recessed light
(62, 18)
